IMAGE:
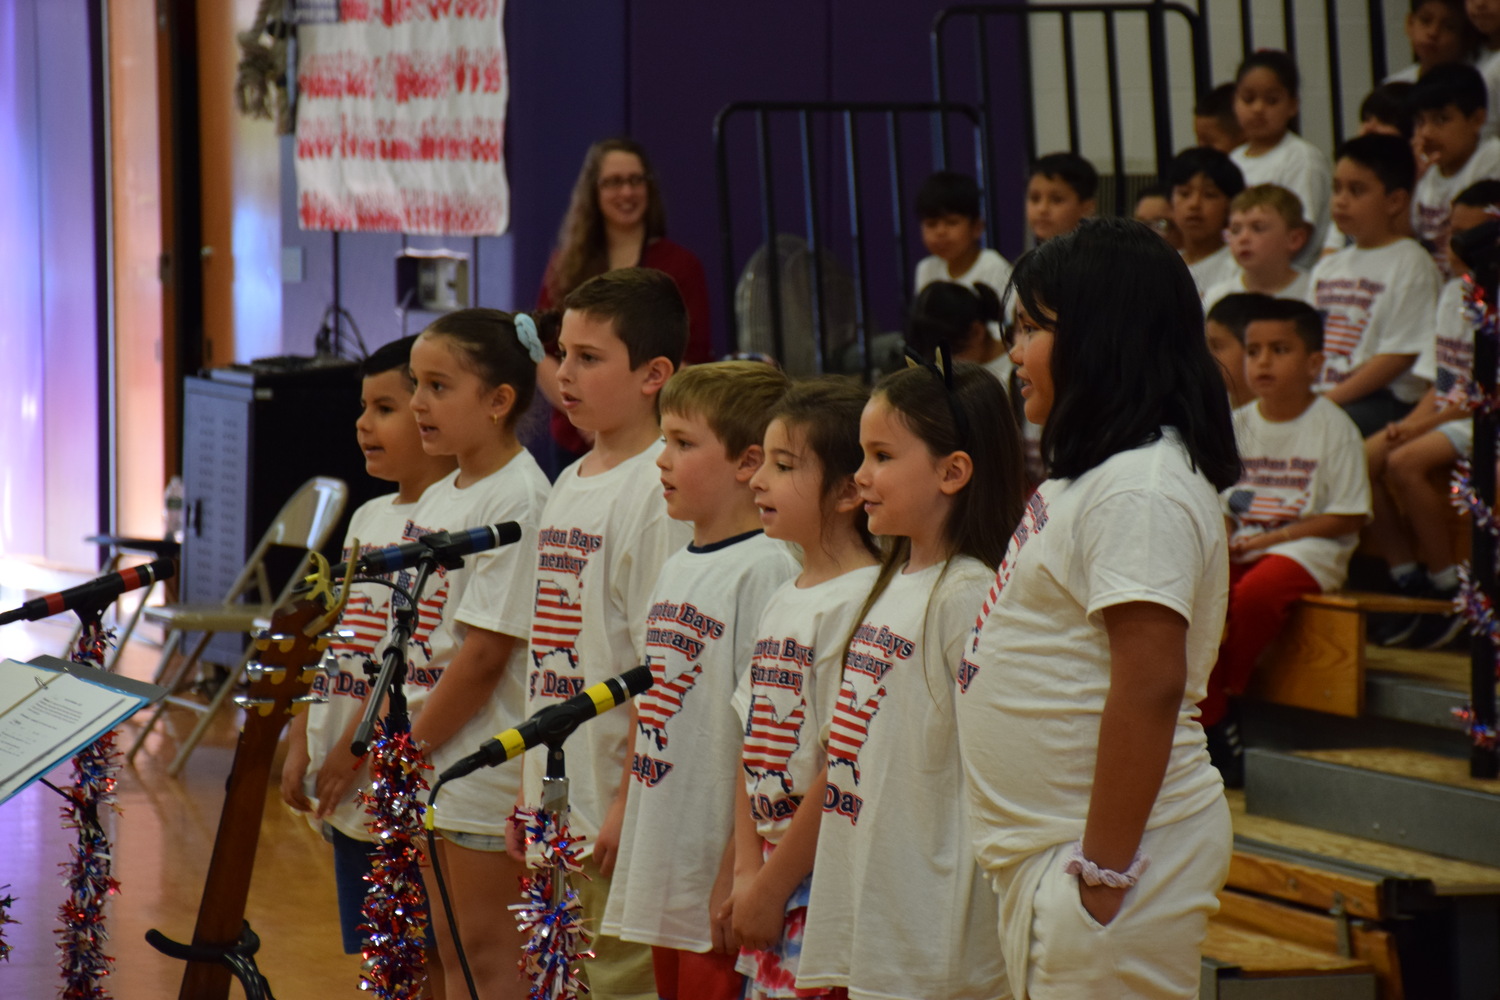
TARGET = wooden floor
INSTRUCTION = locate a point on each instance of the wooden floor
(163, 837)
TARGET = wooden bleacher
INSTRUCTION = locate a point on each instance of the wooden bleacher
(1366, 859)
(1318, 662)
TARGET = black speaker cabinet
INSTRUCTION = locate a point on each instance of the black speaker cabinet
(250, 438)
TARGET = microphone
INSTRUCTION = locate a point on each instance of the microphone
(95, 593)
(554, 723)
(447, 546)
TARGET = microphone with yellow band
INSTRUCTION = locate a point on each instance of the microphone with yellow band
(554, 723)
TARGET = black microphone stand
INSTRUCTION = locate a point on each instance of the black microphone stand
(391, 678)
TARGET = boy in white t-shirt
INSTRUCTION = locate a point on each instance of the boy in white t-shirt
(1294, 516)
(1449, 103)
(320, 776)
(1439, 34)
(1414, 525)
(1266, 233)
(604, 537)
(676, 862)
(1376, 296)
(1203, 182)
(1059, 195)
(952, 226)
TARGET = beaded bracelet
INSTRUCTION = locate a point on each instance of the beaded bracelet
(1092, 874)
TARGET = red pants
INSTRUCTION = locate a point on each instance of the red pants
(690, 975)
(1261, 595)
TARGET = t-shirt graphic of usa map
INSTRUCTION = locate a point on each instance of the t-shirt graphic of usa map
(562, 555)
(676, 636)
(873, 651)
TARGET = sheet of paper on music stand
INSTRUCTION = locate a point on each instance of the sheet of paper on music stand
(46, 716)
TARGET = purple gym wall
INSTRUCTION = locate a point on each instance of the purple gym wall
(660, 70)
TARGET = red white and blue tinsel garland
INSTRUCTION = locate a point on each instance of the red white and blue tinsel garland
(1472, 602)
(395, 910)
(6, 902)
(87, 873)
(556, 935)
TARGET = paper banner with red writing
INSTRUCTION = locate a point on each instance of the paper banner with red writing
(401, 119)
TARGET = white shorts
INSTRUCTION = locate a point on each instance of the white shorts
(1460, 434)
(1055, 949)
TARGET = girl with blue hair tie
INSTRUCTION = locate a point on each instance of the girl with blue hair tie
(475, 375)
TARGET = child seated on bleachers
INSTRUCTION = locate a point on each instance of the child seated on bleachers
(1294, 516)
(1214, 120)
(1266, 233)
(1376, 296)
(952, 226)
(1059, 194)
(1384, 111)
(1439, 34)
(1266, 102)
(1225, 330)
(957, 318)
(1203, 182)
(1409, 461)
(1153, 206)
(1449, 103)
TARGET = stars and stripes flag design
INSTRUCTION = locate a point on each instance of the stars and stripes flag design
(771, 739)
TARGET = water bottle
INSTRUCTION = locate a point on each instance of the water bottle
(172, 510)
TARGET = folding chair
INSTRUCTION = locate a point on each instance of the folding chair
(304, 522)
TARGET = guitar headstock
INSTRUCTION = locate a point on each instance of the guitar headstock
(288, 651)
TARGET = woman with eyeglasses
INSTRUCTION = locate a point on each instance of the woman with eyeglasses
(616, 219)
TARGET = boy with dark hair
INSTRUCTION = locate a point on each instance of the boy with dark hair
(321, 777)
(1153, 206)
(1225, 330)
(1214, 122)
(1439, 34)
(1294, 516)
(1059, 194)
(1414, 524)
(604, 536)
(1384, 109)
(1203, 181)
(1449, 104)
(677, 847)
(1377, 296)
(948, 206)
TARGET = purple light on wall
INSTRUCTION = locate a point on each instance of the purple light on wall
(21, 521)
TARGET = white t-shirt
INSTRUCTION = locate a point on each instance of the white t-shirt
(679, 813)
(1448, 363)
(1302, 169)
(1298, 288)
(1142, 526)
(1295, 469)
(602, 543)
(376, 524)
(492, 592)
(1488, 65)
(1217, 268)
(988, 269)
(898, 908)
(1373, 302)
(786, 697)
(1432, 202)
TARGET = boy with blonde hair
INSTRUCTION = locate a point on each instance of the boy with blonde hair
(603, 539)
(1266, 232)
(676, 862)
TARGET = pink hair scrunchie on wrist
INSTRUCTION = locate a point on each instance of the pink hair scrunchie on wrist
(1092, 874)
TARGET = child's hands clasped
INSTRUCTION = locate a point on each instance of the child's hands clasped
(757, 914)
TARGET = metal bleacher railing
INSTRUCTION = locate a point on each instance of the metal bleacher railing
(840, 179)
